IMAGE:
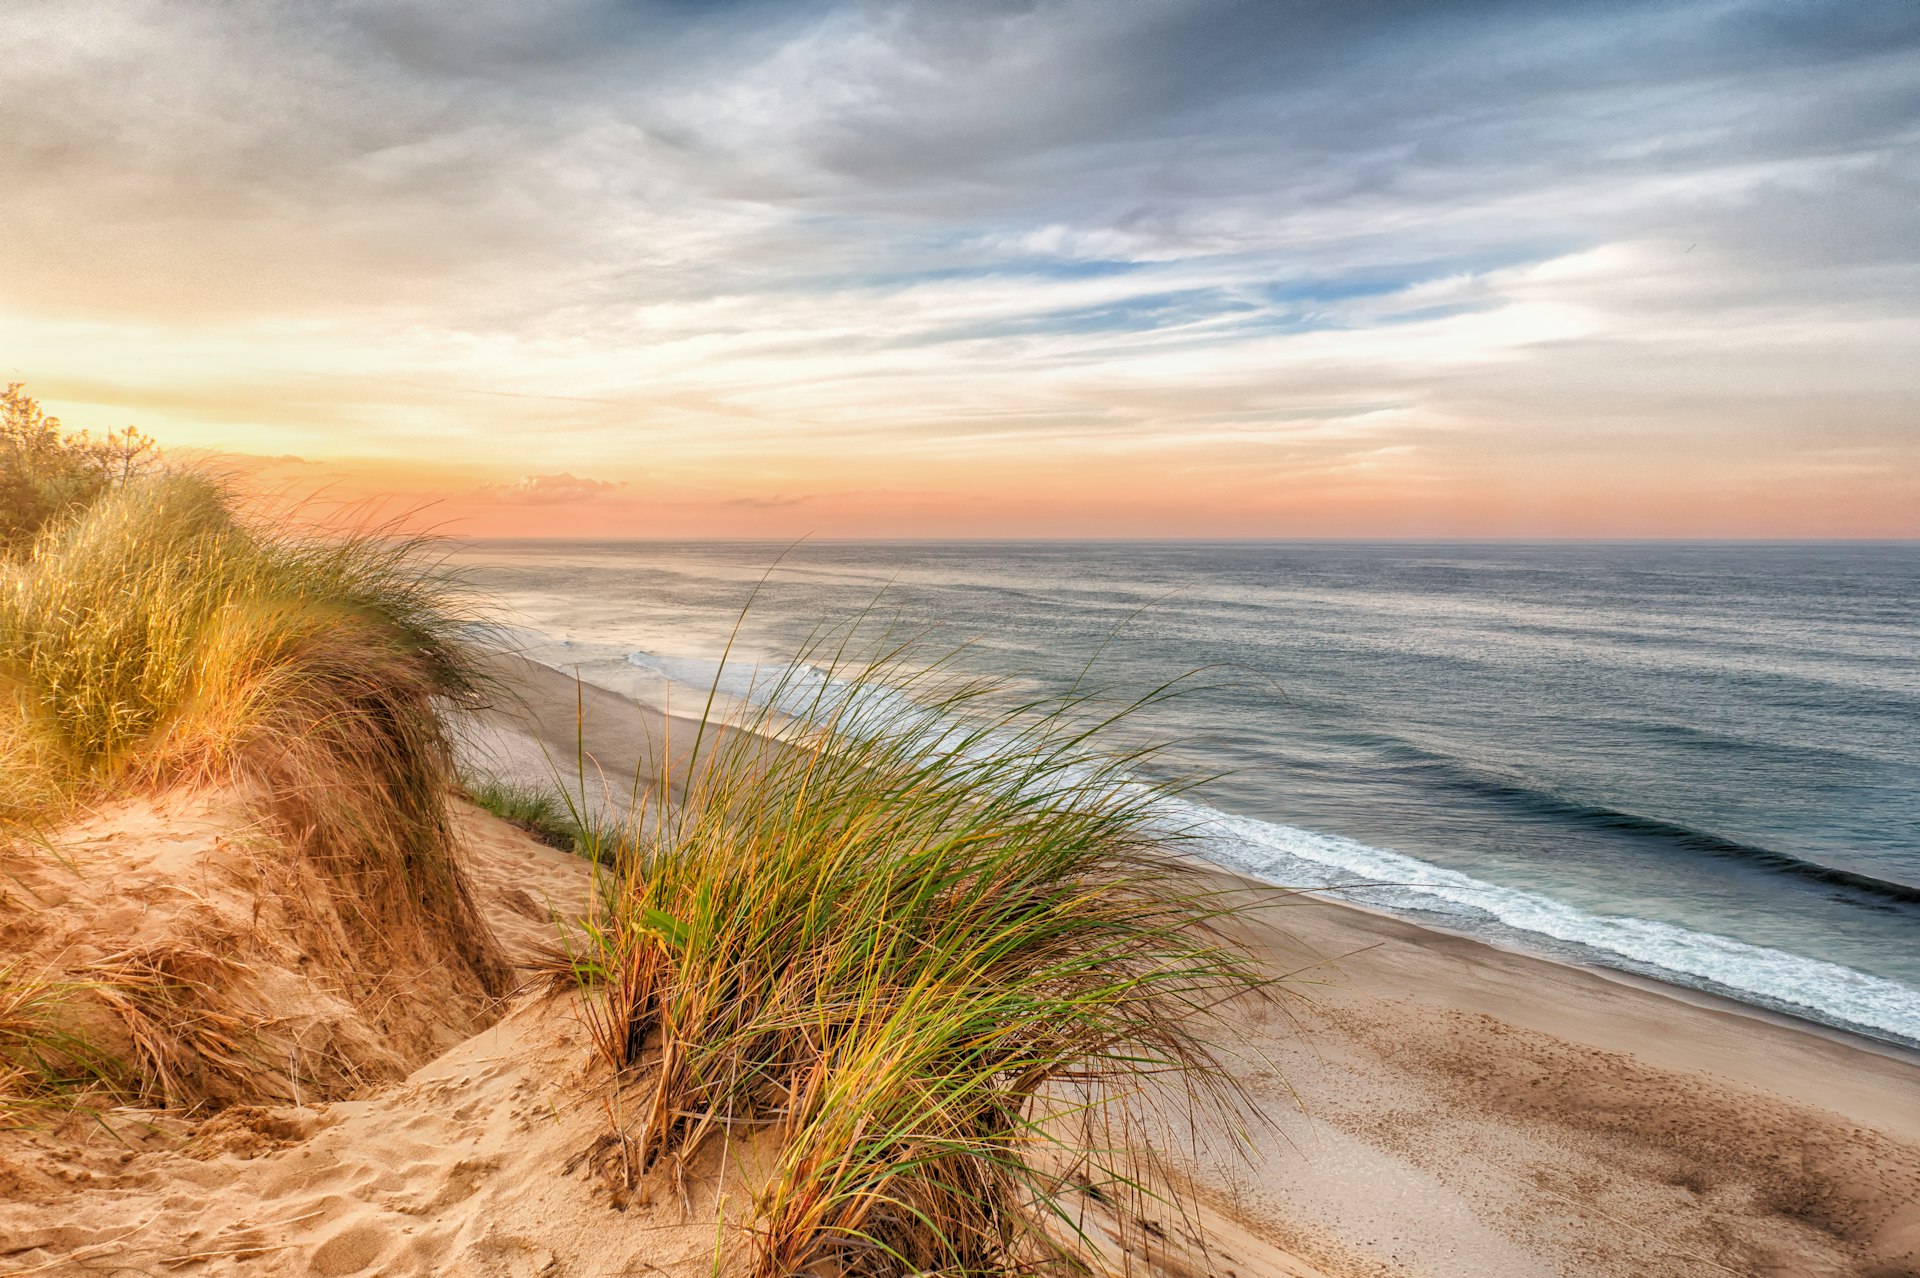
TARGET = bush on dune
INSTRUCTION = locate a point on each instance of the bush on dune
(953, 968)
(47, 472)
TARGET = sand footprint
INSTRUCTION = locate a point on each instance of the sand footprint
(460, 1182)
(508, 1256)
(352, 1250)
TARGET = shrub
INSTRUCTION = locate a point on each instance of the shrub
(47, 473)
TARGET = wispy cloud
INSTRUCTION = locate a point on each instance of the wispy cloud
(766, 503)
(548, 490)
(769, 244)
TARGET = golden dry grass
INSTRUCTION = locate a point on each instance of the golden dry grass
(945, 954)
(159, 640)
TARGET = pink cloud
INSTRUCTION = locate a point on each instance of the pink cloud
(550, 490)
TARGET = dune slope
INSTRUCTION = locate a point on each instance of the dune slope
(478, 1163)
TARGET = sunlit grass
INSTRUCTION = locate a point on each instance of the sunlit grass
(161, 640)
(946, 954)
(541, 811)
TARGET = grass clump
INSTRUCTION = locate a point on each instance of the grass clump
(42, 1055)
(943, 952)
(157, 639)
(540, 811)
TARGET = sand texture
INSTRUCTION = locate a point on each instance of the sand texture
(1432, 1107)
(475, 1165)
(242, 969)
(1441, 1107)
(486, 1161)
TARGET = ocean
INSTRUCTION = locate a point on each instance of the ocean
(1694, 762)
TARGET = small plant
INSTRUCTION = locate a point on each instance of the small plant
(938, 944)
(543, 813)
(43, 1055)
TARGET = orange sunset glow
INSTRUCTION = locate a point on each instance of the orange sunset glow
(1060, 271)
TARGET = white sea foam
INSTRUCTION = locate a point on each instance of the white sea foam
(1294, 857)
(735, 679)
(1286, 854)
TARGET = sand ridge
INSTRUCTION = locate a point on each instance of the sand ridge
(471, 1166)
(475, 1164)
(229, 967)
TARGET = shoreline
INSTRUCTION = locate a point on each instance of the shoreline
(1705, 1000)
(1777, 1031)
(546, 695)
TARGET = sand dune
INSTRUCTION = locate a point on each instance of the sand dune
(237, 965)
(481, 1162)
(1435, 1108)
(472, 1166)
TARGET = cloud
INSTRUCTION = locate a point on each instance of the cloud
(550, 490)
(766, 503)
(939, 231)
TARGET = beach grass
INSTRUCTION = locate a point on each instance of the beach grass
(44, 1055)
(542, 811)
(163, 637)
(945, 952)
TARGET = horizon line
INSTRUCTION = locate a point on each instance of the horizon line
(1437, 539)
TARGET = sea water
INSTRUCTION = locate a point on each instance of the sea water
(1696, 762)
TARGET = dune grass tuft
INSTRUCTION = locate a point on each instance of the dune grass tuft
(540, 811)
(156, 639)
(944, 952)
(43, 1055)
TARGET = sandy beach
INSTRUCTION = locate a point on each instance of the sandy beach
(1428, 1106)
(1442, 1108)
(960, 639)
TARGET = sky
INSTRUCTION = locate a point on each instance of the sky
(988, 268)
